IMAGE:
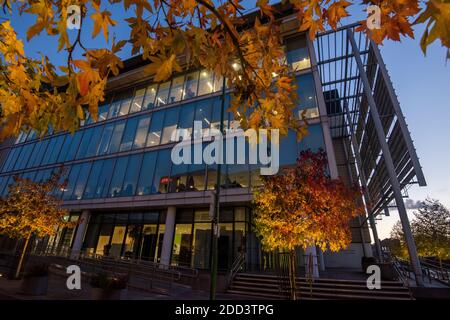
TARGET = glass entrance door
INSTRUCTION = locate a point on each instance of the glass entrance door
(148, 242)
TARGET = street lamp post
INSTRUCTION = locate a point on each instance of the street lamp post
(215, 220)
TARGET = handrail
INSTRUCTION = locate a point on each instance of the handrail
(235, 267)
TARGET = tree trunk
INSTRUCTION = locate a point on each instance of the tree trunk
(22, 256)
(292, 282)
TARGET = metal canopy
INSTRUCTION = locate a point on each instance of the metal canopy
(348, 111)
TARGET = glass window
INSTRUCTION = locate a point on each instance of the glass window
(118, 175)
(89, 191)
(201, 246)
(187, 118)
(128, 136)
(170, 124)
(116, 137)
(95, 140)
(218, 83)
(105, 178)
(10, 160)
(56, 149)
(148, 242)
(73, 175)
(117, 241)
(178, 177)
(203, 114)
(176, 91)
(103, 112)
(15, 164)
(306, 93)
(146, 174)
(81, 181)
(64, 149)
(131, 244)
(85, 142)
(150, 94)
(131, 176)
(9, 181)
(163, 93)
(115, 106)
(106, 137)
(297, 53)
(196, 177)
(24, 156)
(162, 172)
(154, 134)
(137, 100)
(190, 89)
(74, 145)
(103, 246)
(181, 249)
(206, 82)
(51, 146)
(126, 103)
(141, 133)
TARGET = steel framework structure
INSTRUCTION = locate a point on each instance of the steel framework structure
(364, 111)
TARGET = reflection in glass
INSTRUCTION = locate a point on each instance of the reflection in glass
(118, 175)
(116, 137)
(163, 93)
(131, 176)
(141, 133)
(131, 245)
(106, 137)
(170, 124)
(128, 136)
(81, 181)
(181, 249)
(297, 53)
(162, 172)
(187, 118)
(190, 89)
(126, 103)
(150, 94)
(154, 133)
(206, 82)
(146, 174)
(176, 91)
(138, 100)
(117, 241)
(71, 180)
(105, 178)
(103, 247)
(89, 191)
(201, 245)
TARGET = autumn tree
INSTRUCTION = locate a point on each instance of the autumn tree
(31, 209)
(304, 207)
(172, 35)
(431, 231)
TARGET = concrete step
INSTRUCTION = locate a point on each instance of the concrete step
(268, 286)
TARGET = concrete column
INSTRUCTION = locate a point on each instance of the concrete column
(83, 221)
(169, 230)
(311, 251)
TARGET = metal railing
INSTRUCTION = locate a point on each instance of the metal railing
(144, 275)
(237, 265)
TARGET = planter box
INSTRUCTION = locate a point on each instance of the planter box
(103, 294)
(36, 286)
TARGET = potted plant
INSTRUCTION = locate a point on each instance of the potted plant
(35, 281)
(366, 262)
(106, 286)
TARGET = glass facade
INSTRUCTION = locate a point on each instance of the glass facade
(126, 153)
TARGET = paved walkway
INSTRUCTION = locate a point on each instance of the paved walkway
(57, 290)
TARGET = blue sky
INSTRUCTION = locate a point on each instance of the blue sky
(422, 85)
